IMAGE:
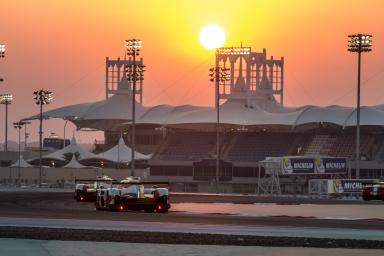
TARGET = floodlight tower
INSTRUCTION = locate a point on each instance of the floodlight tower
(41, 97)
(6, 99)
(2, 55)
(134, 72)
(219, 75)
(359, 43)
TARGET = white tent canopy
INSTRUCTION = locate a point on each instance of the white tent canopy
(72, 148)
(21, 163)
(121, 153)
(74, 164)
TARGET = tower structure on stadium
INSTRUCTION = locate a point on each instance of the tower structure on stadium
(253, 76)
(116, 78)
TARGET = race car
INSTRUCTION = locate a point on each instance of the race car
(373, 191)
(134, 196)
(85, 190)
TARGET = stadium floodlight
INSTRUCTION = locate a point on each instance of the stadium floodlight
(19, 125)
(41, 97)
(359, 43)
(133, 46)
(6, 99)
(218, 75)
(233, 51)
(2, 50)
(134, 73)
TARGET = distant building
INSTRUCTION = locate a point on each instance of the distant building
(55, 143)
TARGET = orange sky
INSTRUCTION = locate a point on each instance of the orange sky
(62, 45)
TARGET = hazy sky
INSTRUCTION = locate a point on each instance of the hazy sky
(61, 45)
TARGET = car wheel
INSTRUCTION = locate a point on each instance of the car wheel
(77, 196)
(149, 210)
(161, 208)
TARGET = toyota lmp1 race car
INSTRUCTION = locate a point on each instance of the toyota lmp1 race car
(135, 196)
(85, 190)
(373, 191)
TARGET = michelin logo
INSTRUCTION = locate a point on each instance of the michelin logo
(353, 185)
(334, 165)
(303, 165)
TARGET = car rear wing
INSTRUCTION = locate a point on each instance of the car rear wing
(142, 183)
(369, 183)
(93, 180)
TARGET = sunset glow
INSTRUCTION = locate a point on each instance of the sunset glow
(62, 45)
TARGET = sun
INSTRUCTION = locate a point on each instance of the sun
(212, 36)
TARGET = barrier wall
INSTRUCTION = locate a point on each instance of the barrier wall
(59, 176)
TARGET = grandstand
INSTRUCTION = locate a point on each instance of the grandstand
(189, 146)
(254, 125)
(253, 147)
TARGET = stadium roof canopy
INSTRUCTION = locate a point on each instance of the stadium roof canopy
(111, 113)
(243, 107)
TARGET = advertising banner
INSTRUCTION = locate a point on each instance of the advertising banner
(291, 165)
(295, 165)
(340, 186)
(330, 165)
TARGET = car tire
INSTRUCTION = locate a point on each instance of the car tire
(77, 196)
(150, 209)
(161, 208)
(113, 208)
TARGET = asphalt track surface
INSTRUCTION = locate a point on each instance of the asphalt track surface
(61, 205)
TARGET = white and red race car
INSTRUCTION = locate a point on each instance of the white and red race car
(85, 190)
(135, 196)
(373, 191)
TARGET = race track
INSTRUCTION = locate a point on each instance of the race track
(61, 205)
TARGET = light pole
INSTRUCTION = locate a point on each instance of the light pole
(19, 125)
(2, 55)
(26, 134)
(218, 75)
(6, 99)
(65, 125)
(359, 43)
(134, 73)
(41, 97)
(2, 50)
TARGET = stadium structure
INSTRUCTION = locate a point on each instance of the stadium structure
(254, 126)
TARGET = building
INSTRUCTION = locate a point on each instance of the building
(254, 124)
